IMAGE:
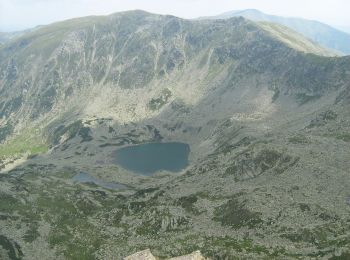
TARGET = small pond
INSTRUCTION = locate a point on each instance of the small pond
(83, 177)
(152, 157)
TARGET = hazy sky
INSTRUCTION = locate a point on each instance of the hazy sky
(21, 14)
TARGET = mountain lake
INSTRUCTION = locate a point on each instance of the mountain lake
(149, 158)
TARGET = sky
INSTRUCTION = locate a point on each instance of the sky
(22, 14)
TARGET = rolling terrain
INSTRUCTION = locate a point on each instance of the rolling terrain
(264, 110)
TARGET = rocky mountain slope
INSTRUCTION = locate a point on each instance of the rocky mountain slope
(93, 66)
(321, 33)
(265, 112)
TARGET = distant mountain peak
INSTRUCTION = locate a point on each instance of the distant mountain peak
(247, 11)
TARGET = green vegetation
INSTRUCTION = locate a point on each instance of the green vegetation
(276, 94)
(6, 108)
(323, 118)
(188, 202)
(67, 216)
(298, 139)
(267, 159)
(227, 148)
(235, 214)
(8, 203)
(158, 103)
(259, 162)
(13, 249)
(46, 100)
(84, 133)
(328, 115)
(29, 142)
(80, 217)
(303, 98)
(321, 237)
(5, 131)
(343, 136)
(343, 256)
(294, 39)
(75, 129)
(32, 233)
(276, 91)
(225, 247)
(227, 244)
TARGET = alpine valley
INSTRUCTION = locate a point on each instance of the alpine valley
(260, 113)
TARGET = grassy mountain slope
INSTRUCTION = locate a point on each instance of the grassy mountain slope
(320, 33)
(266, 118)
(294, 39)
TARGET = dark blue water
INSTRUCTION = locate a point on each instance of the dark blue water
(83, 177)
(152, 157)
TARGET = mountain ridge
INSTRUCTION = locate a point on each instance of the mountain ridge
(35, 38)
(319, 32)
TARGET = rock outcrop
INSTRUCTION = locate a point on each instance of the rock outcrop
(142, 255)
(147, 255)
